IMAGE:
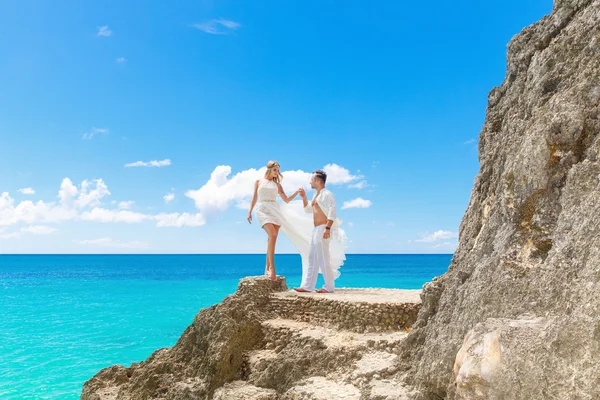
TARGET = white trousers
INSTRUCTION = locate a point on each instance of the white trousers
(318, 259)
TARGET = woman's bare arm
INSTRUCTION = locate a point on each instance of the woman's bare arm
(284, 196)
(254, 196)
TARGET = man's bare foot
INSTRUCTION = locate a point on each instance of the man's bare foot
(322, 291)
(299, 289)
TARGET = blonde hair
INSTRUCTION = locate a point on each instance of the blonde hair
(270, 166)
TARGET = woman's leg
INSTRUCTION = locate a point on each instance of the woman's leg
(272, 232)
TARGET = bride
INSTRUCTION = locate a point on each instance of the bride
(291, 219)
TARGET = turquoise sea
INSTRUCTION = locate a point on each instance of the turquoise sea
(65, 317)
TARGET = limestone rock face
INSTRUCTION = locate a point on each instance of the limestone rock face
(529, 245)
(267, 343)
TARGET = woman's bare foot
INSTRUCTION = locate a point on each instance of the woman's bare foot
(322, 291)
(299, 289)
(272, 274)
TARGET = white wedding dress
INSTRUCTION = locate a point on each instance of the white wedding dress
(297, 225)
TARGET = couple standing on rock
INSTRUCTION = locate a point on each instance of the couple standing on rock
(319, 240)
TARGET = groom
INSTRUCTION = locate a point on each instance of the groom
(322, 207)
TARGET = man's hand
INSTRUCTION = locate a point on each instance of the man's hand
(326, 234)
(302, 193)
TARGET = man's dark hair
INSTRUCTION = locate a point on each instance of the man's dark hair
(322, 175)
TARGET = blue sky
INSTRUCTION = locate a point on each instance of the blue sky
(390, 96)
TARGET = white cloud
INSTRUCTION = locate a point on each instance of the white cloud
(445, 244)
(391, 224)
(169, 197)
(222, 190)
(338, 175)
(104, 31)
(27, 190)
(12, 235)
(121, 60)
(91, 197)
(359, 185)
(33, 229)
(29, 212)
(437, 235)
(218, 26)
(125, 205)
(109, 242)
(179, 220)
(103, 215)
(357, 203)
(39, 229)
(243, 204)
(153, 163)
(94, 132)
(81, 204)
(350, 224)
(470, 141)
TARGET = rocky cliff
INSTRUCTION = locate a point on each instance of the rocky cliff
(517, 316)
(267, 343)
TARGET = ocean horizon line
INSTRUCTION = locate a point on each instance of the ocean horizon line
(211, 254)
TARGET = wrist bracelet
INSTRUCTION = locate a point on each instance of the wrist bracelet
(327, 227)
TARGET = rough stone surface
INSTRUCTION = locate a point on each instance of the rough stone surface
(529, 244)
(240, 390)
(259, 344)
(358, 310)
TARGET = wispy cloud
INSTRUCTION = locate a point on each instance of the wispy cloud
(32, 229)
(359, 185)
(169, 197)
(126, 205)
(153, 163)
(357, 203)
(104, 31)
(109, 242)
(27, 190)
(470, 141)
(94, 132)
(39, 229)
(437, 235)
(12, 235)
(218, 26)
(445, 244)
(121, 60)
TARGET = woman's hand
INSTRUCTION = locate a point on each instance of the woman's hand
(249, 217)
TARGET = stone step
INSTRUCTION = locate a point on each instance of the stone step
(389, 390)
(358, 310)
(296, 349)
(320, 388)
(281, 332)
(240, 390)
